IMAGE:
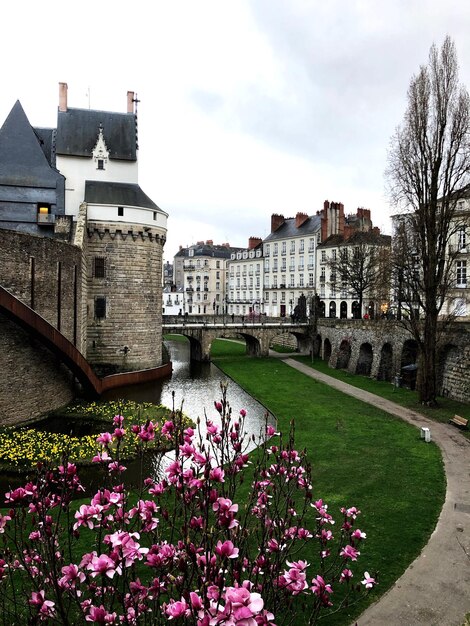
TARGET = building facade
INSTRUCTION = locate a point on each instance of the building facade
(353, 265)
(245, 281)
(289, 253)
(201, 272)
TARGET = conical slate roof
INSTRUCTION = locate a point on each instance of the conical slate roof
(22, 161)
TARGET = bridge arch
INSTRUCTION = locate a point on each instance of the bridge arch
(385, 370)
(364, 361)
(344, 355)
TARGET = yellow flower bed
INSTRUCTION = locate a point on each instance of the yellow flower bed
(25, 447)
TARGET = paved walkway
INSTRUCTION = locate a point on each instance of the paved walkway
(435, 589)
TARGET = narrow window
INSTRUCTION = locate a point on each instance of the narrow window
(99, 267)
(33, 278)
(120, 211)
(100, 164)
(155, 215)
(100, 307)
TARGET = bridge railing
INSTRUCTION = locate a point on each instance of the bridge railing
(227, 320)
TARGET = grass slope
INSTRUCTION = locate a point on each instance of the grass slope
(361, 456)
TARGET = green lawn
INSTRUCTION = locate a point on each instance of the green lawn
(405, 397)
(361, 456)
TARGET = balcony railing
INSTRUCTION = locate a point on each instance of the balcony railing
(46, 219)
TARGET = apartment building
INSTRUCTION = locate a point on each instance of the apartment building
(201, 271)
(289, 253)
(245, 281)
(353, 265)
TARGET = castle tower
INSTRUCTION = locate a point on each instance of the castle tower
(124, 234)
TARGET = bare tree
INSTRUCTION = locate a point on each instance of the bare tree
(359, 265)
(428, 172)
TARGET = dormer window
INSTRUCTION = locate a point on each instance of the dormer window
(100, 152)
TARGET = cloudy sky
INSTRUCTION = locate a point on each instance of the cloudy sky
(247, 107)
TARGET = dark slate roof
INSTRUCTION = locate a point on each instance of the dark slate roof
(207, 249)
(46, 138)
(289, 229)
(357, 239)
(118, 194)
(78, 129)
(22, 160)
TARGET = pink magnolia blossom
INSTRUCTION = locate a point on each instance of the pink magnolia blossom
(45, 607)
(99, 615)
(217, 474)
(358, 534)
(244, 604)
(320, 587)
(71, 576)
(368, 581)
(177, 609)
(349, 552)
(226, 549)
(87, 515)
(3, 522)
(345, 576)
(104, 438)
(104, 565)
(118, 420)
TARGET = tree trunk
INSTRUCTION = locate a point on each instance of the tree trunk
(427, 383)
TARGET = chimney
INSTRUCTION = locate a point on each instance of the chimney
(253, 242)
(210, 242)
(130, 102)
(300, 219)
(63, 96)
(276, 221)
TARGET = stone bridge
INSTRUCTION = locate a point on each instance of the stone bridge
(375, 348)
(258, 336)
(381, 348)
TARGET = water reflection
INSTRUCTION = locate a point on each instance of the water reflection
(197, 386)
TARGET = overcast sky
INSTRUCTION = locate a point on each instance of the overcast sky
(247, 107)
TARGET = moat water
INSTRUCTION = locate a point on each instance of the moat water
(194, 387)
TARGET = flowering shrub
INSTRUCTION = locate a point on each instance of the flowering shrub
(197, 545)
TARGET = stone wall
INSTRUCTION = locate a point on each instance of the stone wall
(127, 333)
(32, 380)
(45, 274)
(380, 349)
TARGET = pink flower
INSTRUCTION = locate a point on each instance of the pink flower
(118, 420)
(218, 406)
(104, 438)
(368, 581)
(71, 575)
(100, 615)
(294, 579)
(3, 521)
(244, 604)
(349, 552)
(358, 534)
(319, 587)
(226, 512)
(270, 431)
(45, 607)
(103, 564)
(243, 412)
(226, 550)
(177, 609)
(346, 575)
(217, 474)
(87, 515)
